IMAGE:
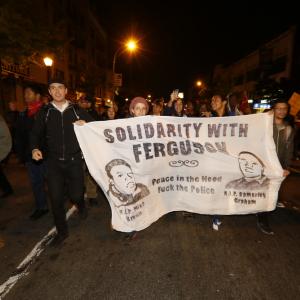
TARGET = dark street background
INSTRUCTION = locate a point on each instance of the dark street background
(183, 42)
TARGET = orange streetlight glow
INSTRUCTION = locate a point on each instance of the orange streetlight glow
(131, 45)
(199, 83)
(48, 61)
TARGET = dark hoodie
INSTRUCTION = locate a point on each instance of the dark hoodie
(53, 131)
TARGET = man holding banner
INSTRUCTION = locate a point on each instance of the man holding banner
(283, 135)
(53, 137)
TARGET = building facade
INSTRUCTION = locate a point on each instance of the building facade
(277, 60)
(81, 61)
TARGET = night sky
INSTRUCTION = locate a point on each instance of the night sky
(181, 43)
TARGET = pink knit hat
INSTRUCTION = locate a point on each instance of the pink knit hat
(137, 100)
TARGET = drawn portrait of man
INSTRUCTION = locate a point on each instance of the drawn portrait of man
(252, 169)
(123, 188)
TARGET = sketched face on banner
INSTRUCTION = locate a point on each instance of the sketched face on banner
(250, 165)
(123, 188)
(123, 179)
(252, 169)
(121, 176)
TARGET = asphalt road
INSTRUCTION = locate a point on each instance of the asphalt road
(174, 258)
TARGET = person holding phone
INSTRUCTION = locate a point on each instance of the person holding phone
(175, 105)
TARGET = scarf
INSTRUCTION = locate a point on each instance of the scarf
(33, 108)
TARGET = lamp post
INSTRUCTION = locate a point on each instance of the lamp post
(130, 46)
(48, 63)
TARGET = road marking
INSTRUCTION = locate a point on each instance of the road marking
(22, 269)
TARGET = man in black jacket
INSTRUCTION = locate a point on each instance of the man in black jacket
(36, 169)
(54, 139)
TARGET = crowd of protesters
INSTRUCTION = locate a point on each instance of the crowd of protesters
(43, 138)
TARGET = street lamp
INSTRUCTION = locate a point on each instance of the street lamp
(198, 83)
(130, 46)
(48, 63)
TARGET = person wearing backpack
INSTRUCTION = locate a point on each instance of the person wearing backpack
(53, 139)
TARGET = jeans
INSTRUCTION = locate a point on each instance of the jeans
(64, 176)
(37, 172)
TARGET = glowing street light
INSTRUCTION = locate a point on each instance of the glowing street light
(199, 83)
(48, 61)
(130, 46)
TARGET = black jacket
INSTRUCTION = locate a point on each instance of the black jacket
(23, 127)
(53, 132)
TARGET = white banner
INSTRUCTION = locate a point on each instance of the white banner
(149, 166)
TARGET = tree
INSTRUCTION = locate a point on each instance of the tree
(25, 33)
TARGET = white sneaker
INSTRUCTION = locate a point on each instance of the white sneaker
(216, 223)
(280, 205)
(215, 227)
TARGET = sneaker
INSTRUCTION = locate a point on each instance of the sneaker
(216, 223)
(280, 205)
(58, 240)
(38, 213)
(264, 227)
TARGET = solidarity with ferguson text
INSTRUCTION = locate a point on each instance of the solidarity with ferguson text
(185, 131)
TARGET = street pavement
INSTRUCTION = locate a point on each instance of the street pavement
(174, 258)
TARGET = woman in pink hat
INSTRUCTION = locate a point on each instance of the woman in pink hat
(138, 107)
